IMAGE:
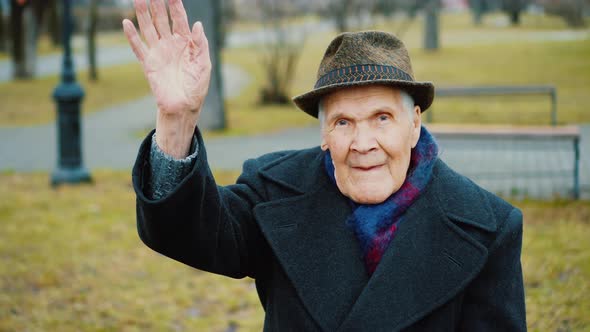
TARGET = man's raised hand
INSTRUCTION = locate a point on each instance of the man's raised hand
(177, 66)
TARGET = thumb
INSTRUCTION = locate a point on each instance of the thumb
(198, 36)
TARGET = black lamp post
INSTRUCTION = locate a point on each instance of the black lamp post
(68, 96)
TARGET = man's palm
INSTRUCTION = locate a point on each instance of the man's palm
(178, 74)
(176, 63)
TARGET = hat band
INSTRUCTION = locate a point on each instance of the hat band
(362, 73)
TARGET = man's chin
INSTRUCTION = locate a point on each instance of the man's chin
(370, 197)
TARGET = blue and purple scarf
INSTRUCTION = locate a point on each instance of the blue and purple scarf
(375, 224)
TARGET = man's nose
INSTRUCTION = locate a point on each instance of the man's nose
(364, 140)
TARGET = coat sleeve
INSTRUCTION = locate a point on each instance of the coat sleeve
(494, 301)
(203, 225)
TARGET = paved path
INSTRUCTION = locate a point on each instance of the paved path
(495, 164)
(110, 137)
(52, 64)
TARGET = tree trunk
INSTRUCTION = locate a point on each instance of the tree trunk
(2, 33)
(341, 11)
(17, 27)
(515, 17)
(31, 29)
(341, 23)
(513, 9)
(280, 53)
(54, 22)
(431, 27)
(477, 8)
(18, 40)
(25, 22)
(218, 9)
(92, 19)
(213, 116)
(574, 13)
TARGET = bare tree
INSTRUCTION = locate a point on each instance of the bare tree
(431, 25)
(281, 52)
(341, 11)
(206, 11)
(91, 39)
(25, 20)
(478, 8)
(513, 8)
(54, 22)
(572, 11)
(2, 33)
(385, 7)
(354, 14)
(388, 8)
(227, 14)
(20, 26)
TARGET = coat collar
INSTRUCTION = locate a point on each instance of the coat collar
(429, 261)
(309, 237)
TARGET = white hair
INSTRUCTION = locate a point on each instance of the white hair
(407, 104)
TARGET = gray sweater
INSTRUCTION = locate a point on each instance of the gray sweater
(166, 171)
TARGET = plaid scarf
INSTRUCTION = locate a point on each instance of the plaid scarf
(375, 224)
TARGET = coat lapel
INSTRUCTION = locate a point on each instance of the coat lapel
(429, 261)
(316, 249)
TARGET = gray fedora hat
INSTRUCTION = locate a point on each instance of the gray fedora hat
(363, 58)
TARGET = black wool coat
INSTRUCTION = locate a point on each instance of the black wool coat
(454, 264)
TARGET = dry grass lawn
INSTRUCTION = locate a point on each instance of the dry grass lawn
(30, 102)
(72, 261)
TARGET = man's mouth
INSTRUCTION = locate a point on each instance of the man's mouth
(366, 168)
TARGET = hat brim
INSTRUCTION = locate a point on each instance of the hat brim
(421, 92)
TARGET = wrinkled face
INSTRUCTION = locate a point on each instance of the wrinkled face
(370, 136)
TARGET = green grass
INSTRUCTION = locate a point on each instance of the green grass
(30, 102)
(72, 261)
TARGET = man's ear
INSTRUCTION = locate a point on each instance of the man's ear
(324, 144)
(416, 125)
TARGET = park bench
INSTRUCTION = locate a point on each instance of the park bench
(506, 90)
(551, 132)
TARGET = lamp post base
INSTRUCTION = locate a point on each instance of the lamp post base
(70, 175)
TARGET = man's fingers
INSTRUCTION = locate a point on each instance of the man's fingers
(196, 32)
(198, 35)
(133, 37)
(179, 20)
(160, 17)
(200, 40)
(145, 22)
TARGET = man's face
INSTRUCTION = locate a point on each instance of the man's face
(370, 136)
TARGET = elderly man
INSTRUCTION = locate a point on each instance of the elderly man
(368, 232)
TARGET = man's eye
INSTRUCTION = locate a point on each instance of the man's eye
(383, 117)
(341, 122)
